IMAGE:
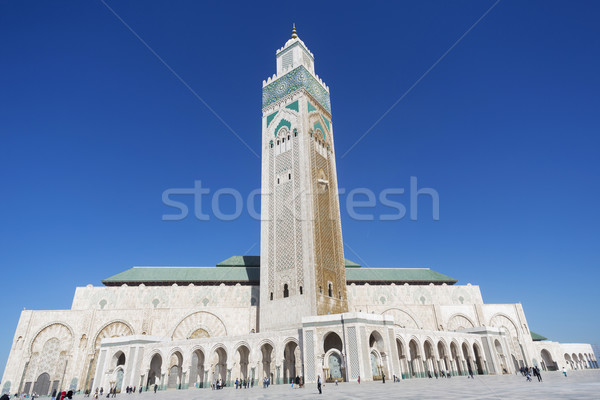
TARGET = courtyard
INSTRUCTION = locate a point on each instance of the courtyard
(578, 385)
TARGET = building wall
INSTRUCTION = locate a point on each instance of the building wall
(66, 344)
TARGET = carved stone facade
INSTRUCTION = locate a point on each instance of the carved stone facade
(301, 311)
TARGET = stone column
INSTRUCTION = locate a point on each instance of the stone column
(184, 382)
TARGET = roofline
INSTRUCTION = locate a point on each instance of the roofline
(179, 283)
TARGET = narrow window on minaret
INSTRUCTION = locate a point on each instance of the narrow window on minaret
(330, 291)
(271, 295)
(277, 180)
(290, 175)
(321, 289)
(286, 291)
(300, 289)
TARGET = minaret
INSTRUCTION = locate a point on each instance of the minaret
(302, 269)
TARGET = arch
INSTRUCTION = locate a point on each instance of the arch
(204, 320)
(479, 360)
(241, 359)
(376, 364)
(402, 318)
(286, 291)
(548, 362)
(402, 357)
(414, 351)
(292, 364)
(283, 123)
(49, 350)
(175, 369)
(219, 362)
(155, 370)
(443, 354)
(467, 356)
(509, 328)
(42, 384)
(115, 328)
(376, 341)
(429, 358)
(59, 330)
(331, 340)
(501, 356)
(459, 321)
(501, 320)
(118, 359)
(442, 349)
(118, 378)
(456, 357)
(515, 363)
(266, 351)
(333, 364)
(197, 372)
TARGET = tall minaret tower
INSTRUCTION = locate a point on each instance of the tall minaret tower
(302, 270)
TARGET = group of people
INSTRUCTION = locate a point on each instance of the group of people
(266, 382)
(243, 383)
(217, 384)
(527, 372)
(299, 382)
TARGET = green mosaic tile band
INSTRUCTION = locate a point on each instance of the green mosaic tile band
(292, 81)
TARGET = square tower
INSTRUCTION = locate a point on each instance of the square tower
(302, 270)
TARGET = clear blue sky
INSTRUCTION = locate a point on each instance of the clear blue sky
(93, 128)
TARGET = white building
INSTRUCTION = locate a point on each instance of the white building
(300, 309)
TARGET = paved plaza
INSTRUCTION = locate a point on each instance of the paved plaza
(578, 385)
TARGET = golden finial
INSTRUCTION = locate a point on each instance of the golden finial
(294, 35)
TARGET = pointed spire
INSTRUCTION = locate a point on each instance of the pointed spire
(294, 35)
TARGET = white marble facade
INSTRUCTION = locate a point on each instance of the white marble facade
(186, 336)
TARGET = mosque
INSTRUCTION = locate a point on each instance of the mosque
(300, 309)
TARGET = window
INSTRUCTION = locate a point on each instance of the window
(330, 290)
(340, 295)
(295, 133)
(277, 180)
(271, 144)
(286, 291)
(300, 289)
(290, 175)
(321, 289)
(271, 295)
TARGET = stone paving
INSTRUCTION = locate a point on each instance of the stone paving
(578, 385)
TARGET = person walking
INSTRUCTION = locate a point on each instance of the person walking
(538, 374)
(564, 372)
(359, 379)
(319, 384)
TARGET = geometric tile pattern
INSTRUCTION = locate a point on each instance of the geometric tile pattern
(296, 79)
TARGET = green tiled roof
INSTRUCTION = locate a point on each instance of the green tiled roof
(397, 275)
(537, 337)
(351, 264)
(240, 261)
(254, 261)
(246, 275)
(186, 275)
